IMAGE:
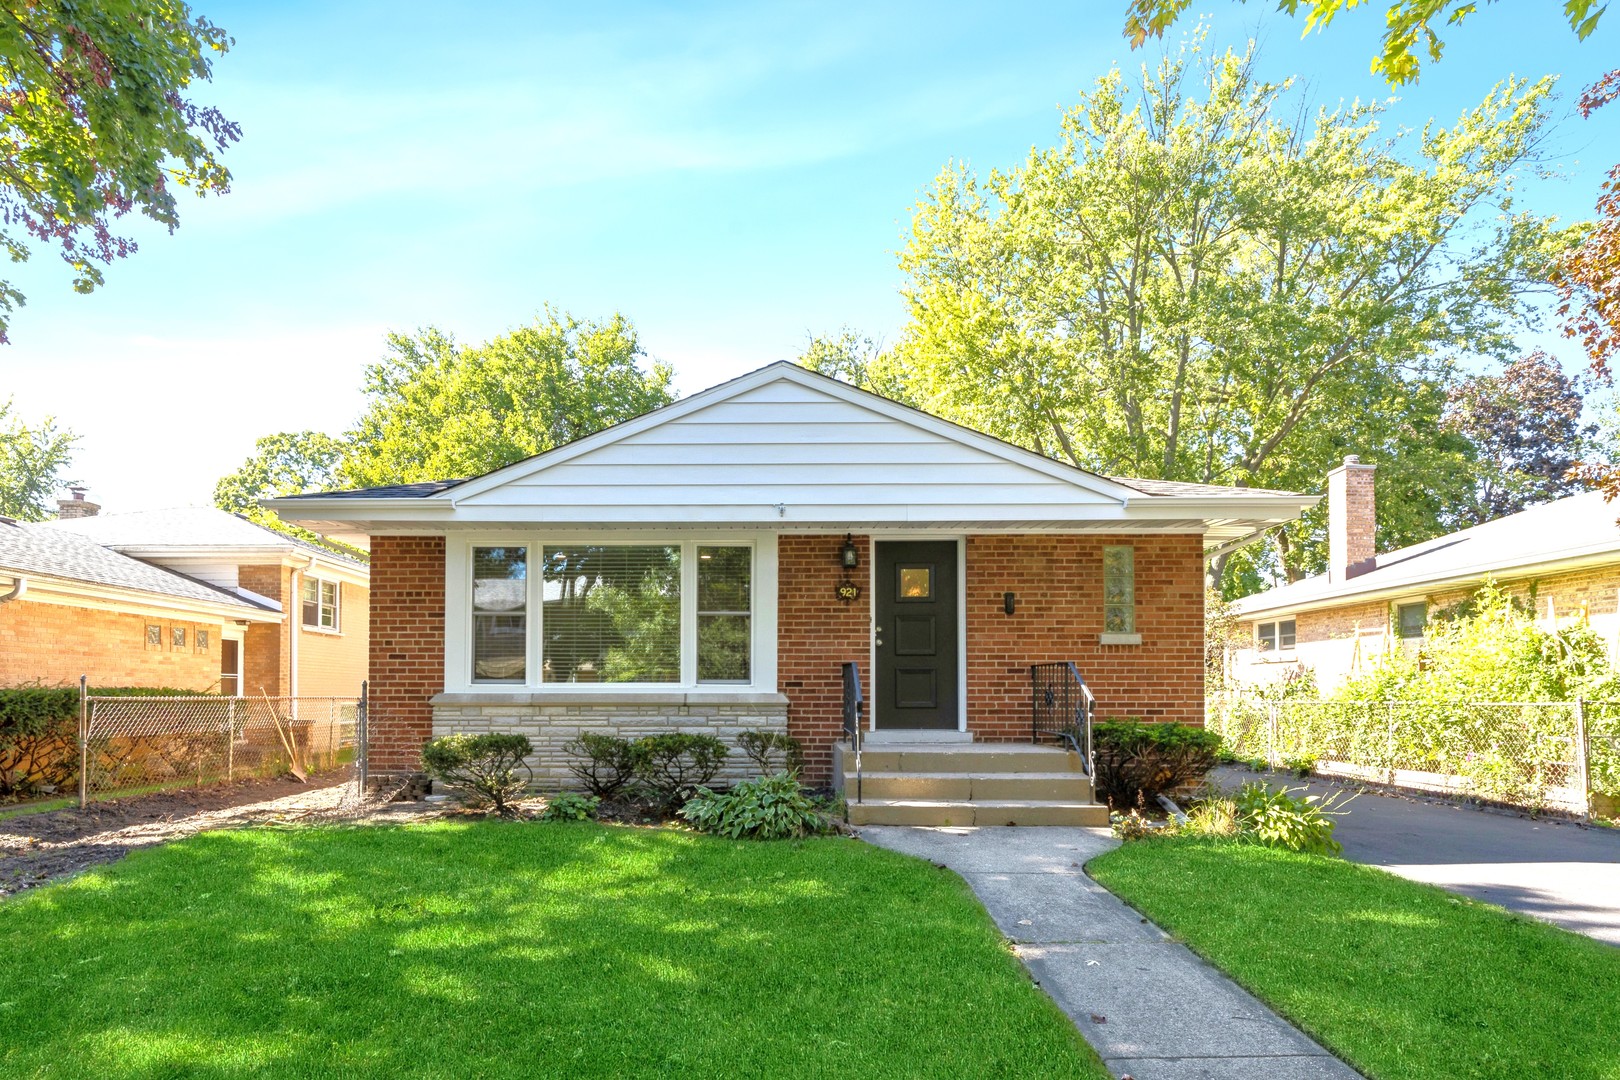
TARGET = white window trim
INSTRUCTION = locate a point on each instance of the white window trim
(459, 614)
(315, 627)
(1280, 651)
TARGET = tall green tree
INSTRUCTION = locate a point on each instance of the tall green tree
(436, 410)
(1202, 281)
(96, 124)
(1409, 25)
(33, 458)
(1527, 433)
(286, 463)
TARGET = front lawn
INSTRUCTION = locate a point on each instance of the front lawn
(1401, 980)
(517, 949)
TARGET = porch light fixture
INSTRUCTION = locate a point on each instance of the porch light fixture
(850, 557)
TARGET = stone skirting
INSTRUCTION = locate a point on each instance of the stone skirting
(551, 721)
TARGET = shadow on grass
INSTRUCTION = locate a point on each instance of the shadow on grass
(502, 949)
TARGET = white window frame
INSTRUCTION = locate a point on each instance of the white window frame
(337, 604)
(1276, 633)
(459, 615)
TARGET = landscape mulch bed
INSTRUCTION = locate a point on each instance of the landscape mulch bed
(36, 848)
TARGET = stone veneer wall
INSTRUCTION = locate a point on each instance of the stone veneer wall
(551, 721)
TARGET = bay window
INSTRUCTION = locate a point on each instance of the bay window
(629, 613)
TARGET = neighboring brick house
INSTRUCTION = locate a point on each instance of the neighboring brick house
(715, 564)
(1561, 558)
(195, 599)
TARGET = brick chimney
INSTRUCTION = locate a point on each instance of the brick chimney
(1350, 519)
(78, 506)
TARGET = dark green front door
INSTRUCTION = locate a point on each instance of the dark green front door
(917, 648)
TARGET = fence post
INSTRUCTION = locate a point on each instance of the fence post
(1271, 734)
(84, 741)
(230, 740)
(1582, 750)
(1390, 747)
(361, 738)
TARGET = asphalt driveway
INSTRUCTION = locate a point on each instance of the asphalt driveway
(1560, 871)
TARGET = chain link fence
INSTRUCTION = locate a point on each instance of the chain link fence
(130, 744)
(1562, 755)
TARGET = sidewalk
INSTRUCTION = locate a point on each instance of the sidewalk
(1151, 1008)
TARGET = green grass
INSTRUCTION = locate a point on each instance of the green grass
(1401, 980)
(517, 949)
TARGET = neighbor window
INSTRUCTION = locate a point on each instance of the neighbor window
(1410, 619)
(320, 603)
(1119, 590)
(154, 635)
(202, 641)
(724, 625)
(1276, 636)
(500, 614)
(612, 614)
(177, 636)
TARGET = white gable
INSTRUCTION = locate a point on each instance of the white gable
(791, 448)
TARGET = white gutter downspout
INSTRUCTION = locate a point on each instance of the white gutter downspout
(19, 589)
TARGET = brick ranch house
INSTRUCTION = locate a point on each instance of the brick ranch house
(715, 564)
(1562, 559)
(193, 599)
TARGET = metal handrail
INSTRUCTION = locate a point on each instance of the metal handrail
(1062, 707)
(853, 706)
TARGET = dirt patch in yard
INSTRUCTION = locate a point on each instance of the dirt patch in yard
(35, 848)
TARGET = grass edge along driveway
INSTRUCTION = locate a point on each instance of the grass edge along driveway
(500, 949)
(1404, 981)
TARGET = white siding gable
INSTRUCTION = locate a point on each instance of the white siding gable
(787, 451)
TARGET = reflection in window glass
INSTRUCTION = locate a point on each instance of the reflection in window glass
(916, 582)
(725, 582)
(500, 613)
(612, 614)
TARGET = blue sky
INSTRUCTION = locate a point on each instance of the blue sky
(733, 177)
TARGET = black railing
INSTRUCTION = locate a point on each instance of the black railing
(853, 706)
(1063, 707)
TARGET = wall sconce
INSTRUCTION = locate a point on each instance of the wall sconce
(1009, 602)
(850, 557)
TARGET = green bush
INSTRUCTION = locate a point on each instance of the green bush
(484, 766)
(1301, 765)
(672, 767)
(1276, 818)
(39, 728)
(772, 808)
(603, 763)
(571, 806)
(772, 752)
(1137, 762)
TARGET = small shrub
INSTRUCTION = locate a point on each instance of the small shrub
(484, 766)
(1276, 818)
(39, 728)
(571, 806)
(1132, 826)
(674, 766)
(772, 752)
(772, 808)
(603, 763)
(1214, 815)
(1301, 765)
(1137, 762)
(1257, 764)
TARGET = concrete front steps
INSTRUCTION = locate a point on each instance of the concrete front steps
(966, 783)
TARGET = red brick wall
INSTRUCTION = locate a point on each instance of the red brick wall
(54, 644)
(407, 647)
(816, 635)
(264, 657)
(1058, 580)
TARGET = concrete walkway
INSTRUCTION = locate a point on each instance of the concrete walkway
(1153, 1010)
(1561, 871)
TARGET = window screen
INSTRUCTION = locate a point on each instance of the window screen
(500, 613)
(612, 614)
(724, 625)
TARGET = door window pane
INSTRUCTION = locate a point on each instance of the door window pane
(724, 615)
(916, 582)
(500, 614)
(612, 614)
